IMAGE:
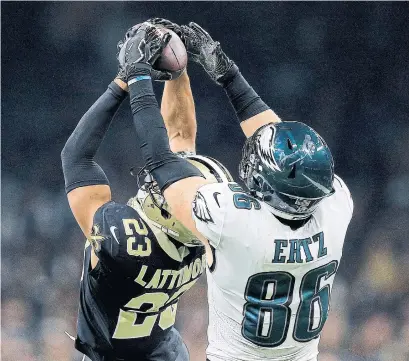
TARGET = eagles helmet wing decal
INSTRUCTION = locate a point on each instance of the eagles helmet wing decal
(265, 145)
(200, 209)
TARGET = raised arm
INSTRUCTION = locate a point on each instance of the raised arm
(176, 177)
(86, 184)
(250, 109)
(178, 111)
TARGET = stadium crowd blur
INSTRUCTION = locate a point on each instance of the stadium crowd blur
(340, 67)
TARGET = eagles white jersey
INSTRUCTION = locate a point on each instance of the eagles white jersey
(269, 291)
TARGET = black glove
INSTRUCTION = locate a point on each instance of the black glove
(142, 46)
(158, 75)
(204, 50)
(121, 71)
(161, 75)
(168, 25)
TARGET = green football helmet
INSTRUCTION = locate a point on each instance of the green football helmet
(153, 205)
(288, 166)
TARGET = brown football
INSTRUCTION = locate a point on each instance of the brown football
(174, 56)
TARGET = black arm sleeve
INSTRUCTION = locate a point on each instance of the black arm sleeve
(77, 157)
(152, 138)
(245, 101)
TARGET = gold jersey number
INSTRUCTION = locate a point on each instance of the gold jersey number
(126, 326)
(141, 250)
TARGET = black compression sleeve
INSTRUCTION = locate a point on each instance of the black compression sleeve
(152, 138)
(245, 101)
(77, 157)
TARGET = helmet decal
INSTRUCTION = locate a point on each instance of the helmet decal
(307, 150)
(266, 147)
(289, 167)
(308, 145)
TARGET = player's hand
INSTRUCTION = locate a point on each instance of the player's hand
(160, 22)
(121, 48)
(121, 75)
(140, 49)
(160, 75)
(168, 25)
(157, 75)
(204, 50)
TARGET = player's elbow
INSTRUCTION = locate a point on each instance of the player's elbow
(73, 150)
(70, 153)
(66, 153)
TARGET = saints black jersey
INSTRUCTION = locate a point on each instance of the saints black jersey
(128, 301)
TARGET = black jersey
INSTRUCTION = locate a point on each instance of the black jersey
(128, 301)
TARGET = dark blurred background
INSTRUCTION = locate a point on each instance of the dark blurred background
(340, 67)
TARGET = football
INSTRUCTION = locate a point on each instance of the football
(174, 56)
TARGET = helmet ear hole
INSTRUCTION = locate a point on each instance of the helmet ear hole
(292, 173)
(165, 214)
(289, 145)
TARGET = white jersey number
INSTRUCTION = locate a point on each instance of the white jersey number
(267, 313)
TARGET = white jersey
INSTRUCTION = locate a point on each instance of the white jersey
(269, 291)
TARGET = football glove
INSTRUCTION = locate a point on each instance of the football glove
(204, 50)
(121, 71)
(139, 50)
(168, 25)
